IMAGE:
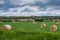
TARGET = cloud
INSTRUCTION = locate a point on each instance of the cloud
(54, 2)
(21, 14)
(50, 8)
(44, 1)
(31, 10)
(25, 9)
(28, 10)
(23, 2)
(40, 13)
(1, 2)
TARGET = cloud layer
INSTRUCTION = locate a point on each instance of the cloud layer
(29, 7)
(1, 2)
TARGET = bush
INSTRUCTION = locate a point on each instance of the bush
(39, 19)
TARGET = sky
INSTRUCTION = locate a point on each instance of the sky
(29, 7)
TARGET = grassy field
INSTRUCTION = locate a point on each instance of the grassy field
(29, 31)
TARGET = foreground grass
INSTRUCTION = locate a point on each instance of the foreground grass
(20, 35)
(29, 31)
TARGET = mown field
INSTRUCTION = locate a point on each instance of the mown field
(29, 31)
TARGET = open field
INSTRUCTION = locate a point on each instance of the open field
(29, 31)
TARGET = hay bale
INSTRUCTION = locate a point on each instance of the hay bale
(58, 20)
(33, 22)
(53, 28)
(53, 20)
(13, 21)
(6, 27)
(43, 25)
(49, 20)
(44, 20)
(57, 23)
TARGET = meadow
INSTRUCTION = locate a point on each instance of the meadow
(29, 31)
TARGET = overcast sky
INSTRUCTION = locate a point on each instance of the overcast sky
(29, 7)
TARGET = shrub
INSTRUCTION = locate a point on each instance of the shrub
(39, 19)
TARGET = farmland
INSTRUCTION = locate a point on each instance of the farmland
(29, 31)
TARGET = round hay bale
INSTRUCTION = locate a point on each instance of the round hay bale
(53, 28)
(57, 23)
(6, 27)
(42, 22)
(48, 20)
(53, 20)
(33, 22)
(43, 25)
(58, 20)
(13, 21)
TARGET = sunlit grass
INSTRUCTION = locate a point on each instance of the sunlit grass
(29, 31)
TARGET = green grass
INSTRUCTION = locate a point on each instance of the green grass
(29, 31)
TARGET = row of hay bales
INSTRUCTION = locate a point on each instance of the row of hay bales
(9, 27)
(53, 28)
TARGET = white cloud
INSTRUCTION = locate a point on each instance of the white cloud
(40, 13)
(51, 8)
(50, 11)
(30, 8)
(57, 12)
(44, 1)
(34, 10)
(21, 13)
(23, 2)
(1, 1)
